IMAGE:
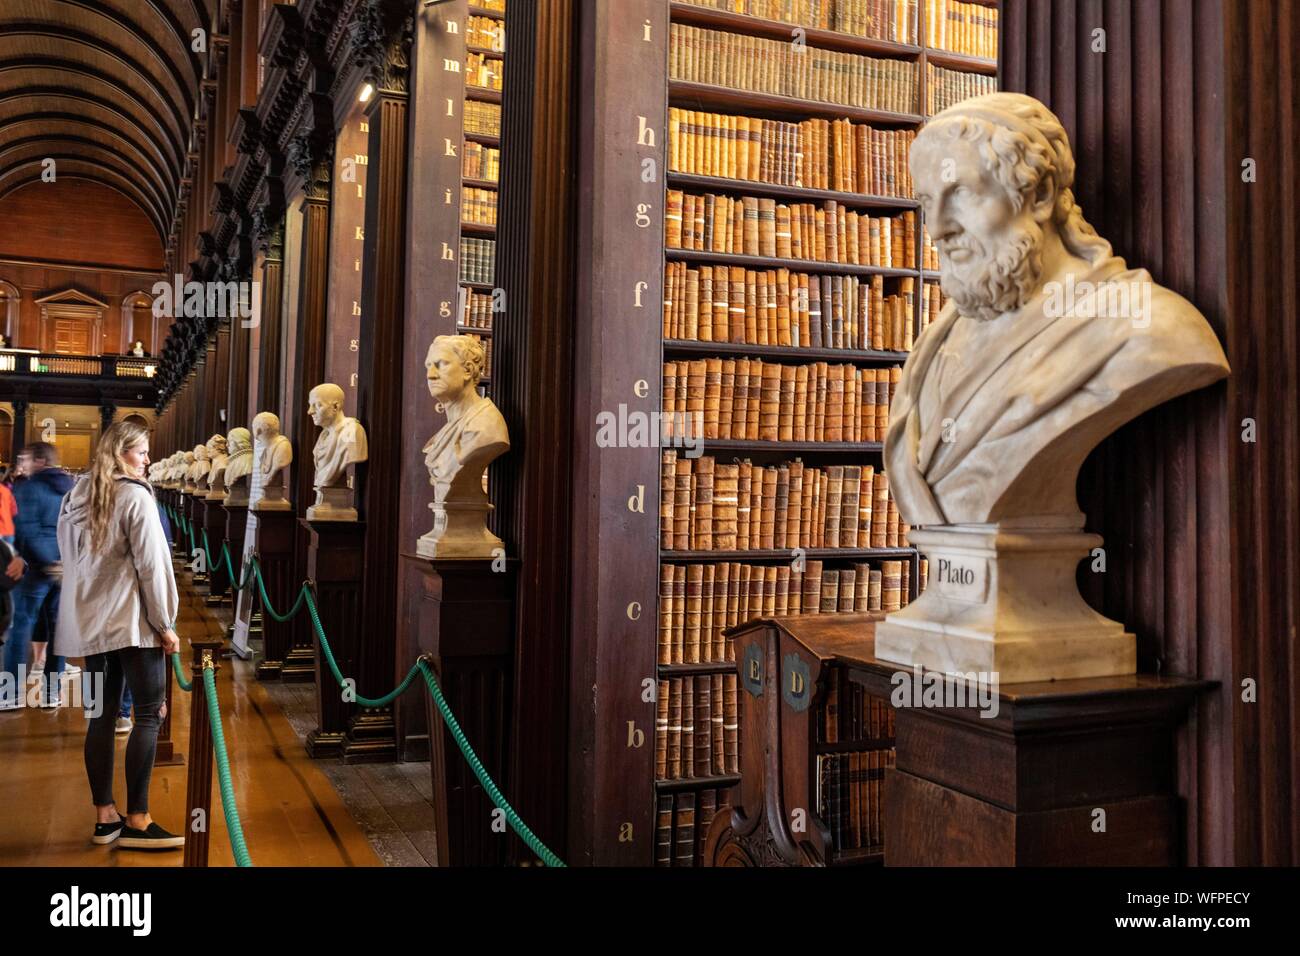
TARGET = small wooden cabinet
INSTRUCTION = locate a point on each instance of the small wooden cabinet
(1075, 772)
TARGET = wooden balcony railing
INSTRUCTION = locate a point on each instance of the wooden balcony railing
(19, 362)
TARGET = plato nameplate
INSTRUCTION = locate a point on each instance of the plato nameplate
(961, 579)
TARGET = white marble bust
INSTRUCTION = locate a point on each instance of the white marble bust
(272, 454)
(1048, 344)
(186, 471)
(239, 447)
(342, 442)
(200, 469)
(216, 448)
(458, 455)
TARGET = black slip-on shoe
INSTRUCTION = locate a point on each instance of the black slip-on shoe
(108, 832)
(152, 838)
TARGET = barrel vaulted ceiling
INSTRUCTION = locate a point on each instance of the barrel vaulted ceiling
(105, 88)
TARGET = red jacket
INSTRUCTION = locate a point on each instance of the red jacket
(8, 508)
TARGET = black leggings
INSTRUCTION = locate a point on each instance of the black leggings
(144, 670)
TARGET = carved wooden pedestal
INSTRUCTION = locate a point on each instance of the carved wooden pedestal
(467, 628)
(275, 534)
(214, 522)
(196, 516)
(334, 565)
(1074, 772)
(236, 526)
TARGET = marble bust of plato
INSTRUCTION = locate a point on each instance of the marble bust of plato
(458, 455)
(1048, 343)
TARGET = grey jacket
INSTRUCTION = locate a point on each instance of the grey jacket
(124, 595)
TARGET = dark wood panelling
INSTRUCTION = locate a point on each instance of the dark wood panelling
(1196, 520)
(49, 222)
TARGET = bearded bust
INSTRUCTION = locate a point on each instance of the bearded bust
(1048, 341)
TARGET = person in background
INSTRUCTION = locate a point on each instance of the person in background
(118, 612)
(8, 510)
(39, 567)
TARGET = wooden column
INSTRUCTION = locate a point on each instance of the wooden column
(532, 384)
(309, 368)
(269, 231)
(1184, 133)
(380, 384)
(622, 143)
(432, 271)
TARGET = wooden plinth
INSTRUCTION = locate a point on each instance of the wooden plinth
(1066, 773)
(274, 546)
(334, 565)
(466, 625)
(214, 522)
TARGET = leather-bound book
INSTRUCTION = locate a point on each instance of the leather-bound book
(847, 590)
(664, 830)
(861, 587)
(706, 811)
(694, 585)
(852, 488)
(830, 592)
(905, 584)
(684, 825)
(726, 397)
(667, 497)
(923, 578)
(781, 510)
(794, 603)
(891, 524)
(679, 613)
(755, 393)
(744, 492)
(873, 592)
(716, 647)
(738, 318)
(864, 506)
(815, 328)
(689, 326)
(682, 505)
(726, 481)
(794, 509)
(702, 537)
(670, 397)
(811, 478)
(823, 400)
(890, 584)
(785, 327)
(702, 321)
(706, 611)
(674, 763)
(731, 726)
(767, 521)
(782, 606)
(703, 732)
(661, 732)
(665, 649)
(834, 497)
(688, 726)
(770, 406)
(879, 510)
(740, 402)
(812, 581)
(717, 746)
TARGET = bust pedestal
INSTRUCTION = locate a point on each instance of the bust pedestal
(334, 563)
(274, 547)
(466, 624)
(214, 522)
(333, 503)
(460, 528)
(236, 515)
(1002, 599)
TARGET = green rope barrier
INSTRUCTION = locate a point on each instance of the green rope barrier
(254, 570)
(233, 826)
(180, 673)
(516, 824)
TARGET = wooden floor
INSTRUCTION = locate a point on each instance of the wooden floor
(291, 811)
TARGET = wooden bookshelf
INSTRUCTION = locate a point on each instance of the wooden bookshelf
(629, 809)
(792, 193)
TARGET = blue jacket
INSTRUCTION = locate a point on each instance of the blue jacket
(36, 526)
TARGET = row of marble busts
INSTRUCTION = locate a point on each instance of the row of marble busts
(251, 466)
(456, 457)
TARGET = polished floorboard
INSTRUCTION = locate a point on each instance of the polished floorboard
(292, 813)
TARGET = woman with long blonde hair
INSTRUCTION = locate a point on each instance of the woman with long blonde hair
(118, 611)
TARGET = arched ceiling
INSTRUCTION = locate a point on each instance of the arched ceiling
(106, 88)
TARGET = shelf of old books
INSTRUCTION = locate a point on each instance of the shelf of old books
(797, 277)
